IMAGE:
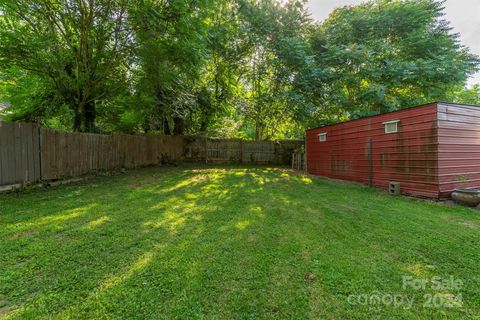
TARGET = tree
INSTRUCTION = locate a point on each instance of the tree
(383, 55)
(171, 37)
(465, 95)
(277, 60)
(218, 88)
(79, 47)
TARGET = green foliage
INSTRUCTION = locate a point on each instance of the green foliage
(277, 60)
(466, 95)
(33, 99)
(171, 38)
(76, 48)
(256, 69)
(219, 86)
(384, 55)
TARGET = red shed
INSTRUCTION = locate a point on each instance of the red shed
(430, 150)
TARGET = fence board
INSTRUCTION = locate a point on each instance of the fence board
(36, 152)
(222, 150)
(4, 151)
(4, 148)
(28, 136)
(11, 155)
(17, 147)
(259, 152)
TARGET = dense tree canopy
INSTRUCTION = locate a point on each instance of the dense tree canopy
(77, 48)
(258, 69)
(389, 54)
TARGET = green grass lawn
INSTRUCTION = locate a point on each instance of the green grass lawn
(232, 243)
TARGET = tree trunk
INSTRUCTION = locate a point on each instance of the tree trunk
(166, 126)
(179, 126)
(84, 118)
(77, 120)
(203, 126)
(89, 116)
(146, 125)
(258, 130)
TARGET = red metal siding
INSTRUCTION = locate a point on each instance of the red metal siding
(408, 157)
(459, 147)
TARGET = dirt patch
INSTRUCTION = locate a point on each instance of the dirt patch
(468, 224)
(4, 308)
(310, 277)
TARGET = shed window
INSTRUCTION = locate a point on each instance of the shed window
(391, 126)
(322, 137)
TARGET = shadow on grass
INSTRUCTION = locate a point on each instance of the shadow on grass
(233, 242)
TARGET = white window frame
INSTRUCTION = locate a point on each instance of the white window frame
(388, 126)
(322, 137)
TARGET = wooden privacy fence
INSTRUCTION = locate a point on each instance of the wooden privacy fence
(239, 151)
(29, 153)
(75, 154)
